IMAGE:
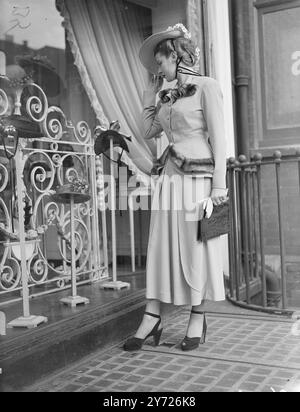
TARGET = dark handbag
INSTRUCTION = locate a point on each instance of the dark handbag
(217, 225)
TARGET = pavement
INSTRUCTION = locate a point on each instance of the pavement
(245, 352)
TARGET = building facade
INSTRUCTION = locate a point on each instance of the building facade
(251, 47)
(265, 50)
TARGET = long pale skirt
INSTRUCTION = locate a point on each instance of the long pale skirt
(180, 269)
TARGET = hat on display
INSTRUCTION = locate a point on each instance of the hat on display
(103, 138)
(77, 190)
(146, 54)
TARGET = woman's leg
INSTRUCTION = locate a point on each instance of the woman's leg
(195, 326)
(148, 322)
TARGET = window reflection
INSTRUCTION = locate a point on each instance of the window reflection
(34, 42)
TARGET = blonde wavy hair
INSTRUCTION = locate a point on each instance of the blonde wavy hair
(187, 54)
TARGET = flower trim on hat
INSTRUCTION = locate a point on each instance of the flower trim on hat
(182, 28)
(186, 35)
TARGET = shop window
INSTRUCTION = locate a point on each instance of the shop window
(34, 42)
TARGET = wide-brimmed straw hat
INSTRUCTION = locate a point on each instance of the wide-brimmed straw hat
(147, 50)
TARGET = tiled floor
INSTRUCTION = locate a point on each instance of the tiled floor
(243, 353)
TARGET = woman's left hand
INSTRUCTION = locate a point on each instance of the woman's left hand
(219, 196)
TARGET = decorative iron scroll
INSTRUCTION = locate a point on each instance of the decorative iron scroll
(62, 152)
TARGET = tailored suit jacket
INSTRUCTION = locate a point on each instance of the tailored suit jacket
(194, 125)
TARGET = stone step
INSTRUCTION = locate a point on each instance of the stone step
(71, 334)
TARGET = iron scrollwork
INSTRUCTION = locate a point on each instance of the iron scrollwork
(62, 152)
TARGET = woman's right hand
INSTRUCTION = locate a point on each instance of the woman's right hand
(155, 84)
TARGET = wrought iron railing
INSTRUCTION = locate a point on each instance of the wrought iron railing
(35, 239)
(257, 195)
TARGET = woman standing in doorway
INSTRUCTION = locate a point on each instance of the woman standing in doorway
(180, 269)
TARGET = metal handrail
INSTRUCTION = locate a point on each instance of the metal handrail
(252, 284)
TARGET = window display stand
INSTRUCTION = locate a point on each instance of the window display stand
(114, 284)
(27, 320)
